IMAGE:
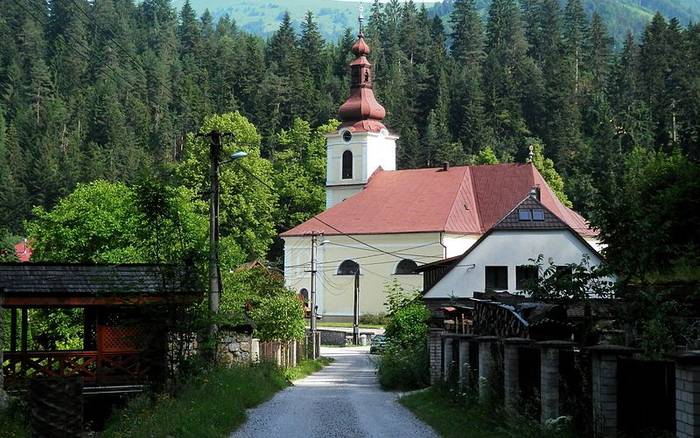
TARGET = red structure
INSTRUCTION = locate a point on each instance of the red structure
(125, 311)
(361, 112)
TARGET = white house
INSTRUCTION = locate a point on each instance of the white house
(387, 222)
(503, 259)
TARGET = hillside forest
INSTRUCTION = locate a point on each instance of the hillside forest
(113, 90)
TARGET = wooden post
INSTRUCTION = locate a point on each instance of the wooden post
(25, 328)
(13, 329)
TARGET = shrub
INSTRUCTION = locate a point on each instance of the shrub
(405, 363)
(374, 319)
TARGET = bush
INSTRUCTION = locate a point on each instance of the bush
(404, 369)
(405, 362)
(279, 318)
(374, 319)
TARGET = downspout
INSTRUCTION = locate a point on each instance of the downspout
(444, 248)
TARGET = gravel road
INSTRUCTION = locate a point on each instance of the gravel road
(342, 400)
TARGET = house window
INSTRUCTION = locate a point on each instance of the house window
(525, 214)
(496, 278)
(537, 214)
(406, 267)
(304, 295)
(347, 165)
(525, 276)
(348, 267)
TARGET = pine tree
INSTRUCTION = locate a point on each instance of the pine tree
(467, 33)
(576, 34)
(509, 76)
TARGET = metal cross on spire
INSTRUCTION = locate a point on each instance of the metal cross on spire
(361, 17)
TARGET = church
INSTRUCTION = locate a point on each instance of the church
(382, 224)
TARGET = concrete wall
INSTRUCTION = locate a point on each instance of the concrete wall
(511, 249)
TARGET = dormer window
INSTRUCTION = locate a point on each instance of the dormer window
(347, 165)
(531, 214)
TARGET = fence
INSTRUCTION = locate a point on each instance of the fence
(604, 389)
(289, 354)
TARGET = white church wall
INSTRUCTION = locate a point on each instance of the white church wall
(511, 249)
(335, 292)
(458, 244)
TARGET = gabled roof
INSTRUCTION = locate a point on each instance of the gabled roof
(461, 200)
(510, 222)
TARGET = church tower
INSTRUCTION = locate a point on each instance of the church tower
(362, 144)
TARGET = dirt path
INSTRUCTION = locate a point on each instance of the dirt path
(342, 400)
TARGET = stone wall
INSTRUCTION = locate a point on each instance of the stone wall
(235, 348)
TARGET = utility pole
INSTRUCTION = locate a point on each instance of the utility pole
(356, 310)
(313, 270)
(214, 269)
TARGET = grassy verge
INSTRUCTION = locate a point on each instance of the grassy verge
(212, 405)
(462, 416)
(13, 423)
(306, 367)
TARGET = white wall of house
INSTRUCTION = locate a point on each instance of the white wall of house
(511, 249)
(370, 150)
(335, 292)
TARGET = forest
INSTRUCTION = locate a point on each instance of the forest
(112, 90)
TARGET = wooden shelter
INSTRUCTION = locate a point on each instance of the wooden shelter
(125, 313)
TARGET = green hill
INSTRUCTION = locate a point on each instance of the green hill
(262, 17)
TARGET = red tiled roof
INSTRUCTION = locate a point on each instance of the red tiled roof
(23, 251)
(462, 200)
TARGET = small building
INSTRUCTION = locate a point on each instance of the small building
(125, 308)
(504, 259)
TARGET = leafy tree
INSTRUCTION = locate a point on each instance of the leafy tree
(486, 156)
(106, 222)
(546, 168)
(247, 205)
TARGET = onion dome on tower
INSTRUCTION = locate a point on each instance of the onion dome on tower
(361, 112)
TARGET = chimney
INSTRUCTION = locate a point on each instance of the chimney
(535, 192)
(445, 166)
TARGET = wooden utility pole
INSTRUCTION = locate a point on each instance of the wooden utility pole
(313, 270)
(214, 269)
(356, 310)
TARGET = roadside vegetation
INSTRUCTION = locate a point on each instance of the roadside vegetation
(457, 415)
(404, 363)
(13, 423)
(210, 405)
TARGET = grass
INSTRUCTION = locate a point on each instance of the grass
(212, 405)
(307, 367)
(462, 416)
(13, 423)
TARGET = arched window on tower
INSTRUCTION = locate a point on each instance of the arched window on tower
(348, 267)
(406, 267)
(347, 165)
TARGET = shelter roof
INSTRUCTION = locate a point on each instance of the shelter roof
(107, 282)
(461, 200)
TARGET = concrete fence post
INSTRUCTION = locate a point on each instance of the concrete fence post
(604, 387)
(464, 365)
(447, 357)
(435, 353)
(255, 350)
(487, 366)
(511, 371)
(688, 394)
(550, 377)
